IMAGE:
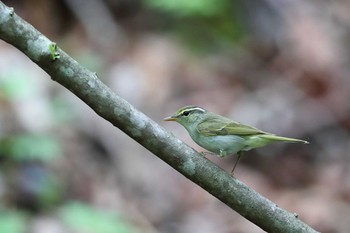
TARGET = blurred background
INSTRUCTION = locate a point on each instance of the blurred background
(280, 65)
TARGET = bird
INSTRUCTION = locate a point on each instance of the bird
(223, 136)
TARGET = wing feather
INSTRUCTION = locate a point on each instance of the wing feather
(225, 126)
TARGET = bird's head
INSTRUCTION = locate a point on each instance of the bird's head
(188, 116)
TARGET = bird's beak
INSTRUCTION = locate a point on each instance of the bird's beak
(171, 118)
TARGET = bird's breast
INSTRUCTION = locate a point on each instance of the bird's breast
(221, 145)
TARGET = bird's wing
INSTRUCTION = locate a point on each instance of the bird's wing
(226, 126)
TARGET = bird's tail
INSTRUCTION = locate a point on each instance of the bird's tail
(282, 139)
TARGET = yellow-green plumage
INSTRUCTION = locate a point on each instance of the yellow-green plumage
(221, 135)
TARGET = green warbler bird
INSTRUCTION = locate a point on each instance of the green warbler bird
(221, 135)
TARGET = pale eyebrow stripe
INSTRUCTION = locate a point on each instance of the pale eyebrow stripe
(199, 109)
(193, 109)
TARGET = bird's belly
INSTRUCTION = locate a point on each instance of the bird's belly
(221, 145)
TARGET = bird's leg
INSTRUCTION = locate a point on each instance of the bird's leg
(240, 153)
(205, 153)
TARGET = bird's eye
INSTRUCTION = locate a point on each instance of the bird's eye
(186, 113)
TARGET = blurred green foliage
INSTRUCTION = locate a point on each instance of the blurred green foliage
(84, 218)
(16, 85)
(201, 8)
(26, 158)
(39, 186)
(212, 25)
(12, 221)
(62, 111)
(27, 147)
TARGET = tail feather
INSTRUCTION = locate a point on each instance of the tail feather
(282, 139)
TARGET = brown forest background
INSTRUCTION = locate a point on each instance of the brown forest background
(282, 66)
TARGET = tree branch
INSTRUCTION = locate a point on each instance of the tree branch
(86, 85)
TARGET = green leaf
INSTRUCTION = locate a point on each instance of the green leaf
(15, 85)
(190, 8)
(12, 221)
(32, 147)
(83, 218)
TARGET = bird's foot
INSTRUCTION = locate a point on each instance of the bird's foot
(205, 153)
(223, 154)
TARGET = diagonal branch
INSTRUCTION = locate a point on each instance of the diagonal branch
(86, 85)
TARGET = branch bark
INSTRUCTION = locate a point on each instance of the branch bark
(86, 85)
